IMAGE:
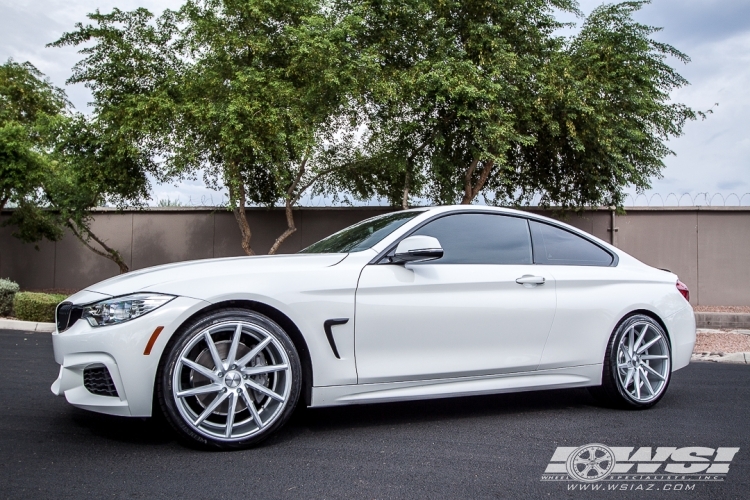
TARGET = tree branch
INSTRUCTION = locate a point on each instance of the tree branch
(110, 253)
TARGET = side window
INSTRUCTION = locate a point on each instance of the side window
(480, 239)
(558, 247)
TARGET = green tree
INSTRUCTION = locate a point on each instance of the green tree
(93, 167)
(450, 79)
(56, 165)
(603, 116)
(253, 95)
(489, 98)
(29, 104)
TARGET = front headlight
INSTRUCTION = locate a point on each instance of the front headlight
(121, 309)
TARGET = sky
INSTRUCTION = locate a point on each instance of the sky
(711, 165)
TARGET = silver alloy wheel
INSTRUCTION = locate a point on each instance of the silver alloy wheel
(231, 380)
(643, 362)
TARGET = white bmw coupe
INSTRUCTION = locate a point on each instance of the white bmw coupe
(423, 303)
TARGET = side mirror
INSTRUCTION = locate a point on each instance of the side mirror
(417, 249)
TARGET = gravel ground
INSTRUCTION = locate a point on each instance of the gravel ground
(722, 309)
(722, 341)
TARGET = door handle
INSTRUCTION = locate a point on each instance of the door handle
(528, 279)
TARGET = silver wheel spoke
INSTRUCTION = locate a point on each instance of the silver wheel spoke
(212, 349)
(662, 377)
(210, 408)
(204, 389)
(257, 370)
(206, 372)
(254, 352)
(654, 356)
(637, 384)
(640, 338)
(649, 344)
(232, 356)
(646, 383)
(230, 415)
(630, 342)
(263, 390)
(251, 406)
(629, 378)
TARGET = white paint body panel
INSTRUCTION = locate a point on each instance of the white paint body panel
(427, 321)
(417, 331)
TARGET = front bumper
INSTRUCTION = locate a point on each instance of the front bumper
(120, 348)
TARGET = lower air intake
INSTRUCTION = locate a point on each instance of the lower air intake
(97, 380)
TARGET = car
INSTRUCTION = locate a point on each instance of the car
(414, 304)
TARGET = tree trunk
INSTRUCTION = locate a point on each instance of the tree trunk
(405, 199)
(291, 228)
(108, 253)
(2, 203)
(292, 196)
(241, 216)
(471, 191)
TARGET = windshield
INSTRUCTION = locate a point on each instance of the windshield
(362, 235)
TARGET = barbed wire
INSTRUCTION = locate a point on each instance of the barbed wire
(703, 199)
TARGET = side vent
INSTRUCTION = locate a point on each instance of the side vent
(329, 334)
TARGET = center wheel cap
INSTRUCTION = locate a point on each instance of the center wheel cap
(232, 379)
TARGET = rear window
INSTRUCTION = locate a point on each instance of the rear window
(558, 247)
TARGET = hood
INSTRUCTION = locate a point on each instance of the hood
(150, 278)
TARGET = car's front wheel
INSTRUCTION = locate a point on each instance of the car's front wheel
(229, 379)
(637, 365)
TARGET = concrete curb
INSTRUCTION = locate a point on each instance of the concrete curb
(739, 358)
(722, 320)
(26, 326)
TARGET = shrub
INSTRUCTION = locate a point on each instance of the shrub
(8, 290)
(30, 306)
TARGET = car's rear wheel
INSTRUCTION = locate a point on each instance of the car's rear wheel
(229, 379)
(637, 365)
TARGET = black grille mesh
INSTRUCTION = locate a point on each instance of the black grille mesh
(97, 380)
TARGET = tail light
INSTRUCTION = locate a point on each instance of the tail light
(683, 289)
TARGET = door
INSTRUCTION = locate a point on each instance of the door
(462, 315)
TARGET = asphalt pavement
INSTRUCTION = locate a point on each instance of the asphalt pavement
(474, 447)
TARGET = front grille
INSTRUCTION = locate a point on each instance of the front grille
(66, 315)
(97, 380)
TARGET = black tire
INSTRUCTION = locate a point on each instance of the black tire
(191, 341)
(612, 392)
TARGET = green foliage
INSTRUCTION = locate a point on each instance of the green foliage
(252, 94)
(8, 290)
(487, 98)
(29, 105)
(445, 100)
(31, 306)
(603, 116)
(55, 165)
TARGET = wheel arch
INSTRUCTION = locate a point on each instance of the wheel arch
(650, 314)
(279, 317)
